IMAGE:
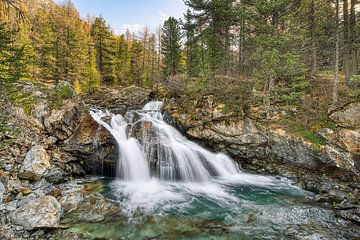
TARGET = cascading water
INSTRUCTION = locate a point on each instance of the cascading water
(158, 168)
(172, 188)
(150, 146)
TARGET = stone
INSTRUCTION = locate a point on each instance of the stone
(27, 199)
(36, 164)
(326, 133)
(2, 191)
(71, 200)
(61, 123)
(350, 214)
(43, 212)
(57, 175)
(349, 117)
(350, 139)
(338, 158)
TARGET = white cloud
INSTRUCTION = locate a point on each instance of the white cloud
(134, 28)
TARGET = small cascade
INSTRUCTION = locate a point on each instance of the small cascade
(149, 147)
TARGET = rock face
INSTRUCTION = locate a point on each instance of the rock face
(349, 117)
(120, 101)
(36, 164)
(62, 122)
(43, 212)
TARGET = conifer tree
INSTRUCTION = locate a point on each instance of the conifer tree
(104, 46)
(171, 48)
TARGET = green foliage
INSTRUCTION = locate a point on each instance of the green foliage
(62, 92)
(13, 61)
(171, 47)
(309, 135)
(105, 49)
(355, 80)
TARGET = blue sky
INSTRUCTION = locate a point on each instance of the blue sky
(131, 14)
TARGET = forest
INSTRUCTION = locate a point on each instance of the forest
(279, 44)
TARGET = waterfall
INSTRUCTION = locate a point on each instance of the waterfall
(149, 147)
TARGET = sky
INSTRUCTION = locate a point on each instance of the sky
(131, 14)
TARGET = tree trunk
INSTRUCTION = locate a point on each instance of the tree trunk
(336, 81)
(313, 43)
(347, 60)
(353, 49)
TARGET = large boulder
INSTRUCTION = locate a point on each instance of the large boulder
(43, 212)
(61, 123)
(36, 163)
(349, 117)
(92, 145)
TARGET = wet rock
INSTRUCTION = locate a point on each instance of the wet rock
(43, 212)
(36, 164)
(349, 117)
(93, 146)
(61, 123)
(93, 208)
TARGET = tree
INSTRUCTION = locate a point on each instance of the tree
(121, 59)
(336, 82)
(135, 62)
(12, 62)
(104, 45)
(213, 20)
(171, 47)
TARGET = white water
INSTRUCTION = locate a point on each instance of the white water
(160, 149)
(159, 169)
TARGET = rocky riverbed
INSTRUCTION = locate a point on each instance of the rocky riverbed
(50, 144)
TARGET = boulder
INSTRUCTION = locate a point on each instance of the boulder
(338, 158)
(57, 175)
(350, 139)
(61, 123)
(43, 212)
(71, 200)
(349, 117)
(36, 164)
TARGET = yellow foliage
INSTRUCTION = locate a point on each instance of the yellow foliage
(77, 87)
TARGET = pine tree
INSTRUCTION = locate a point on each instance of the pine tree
(105, 49)
(171, 48)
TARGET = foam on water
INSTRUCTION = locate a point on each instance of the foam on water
(159, 170)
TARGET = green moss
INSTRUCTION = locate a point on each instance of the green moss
(64, 92)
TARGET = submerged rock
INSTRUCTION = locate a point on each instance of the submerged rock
(36, 164)
(43, 212)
